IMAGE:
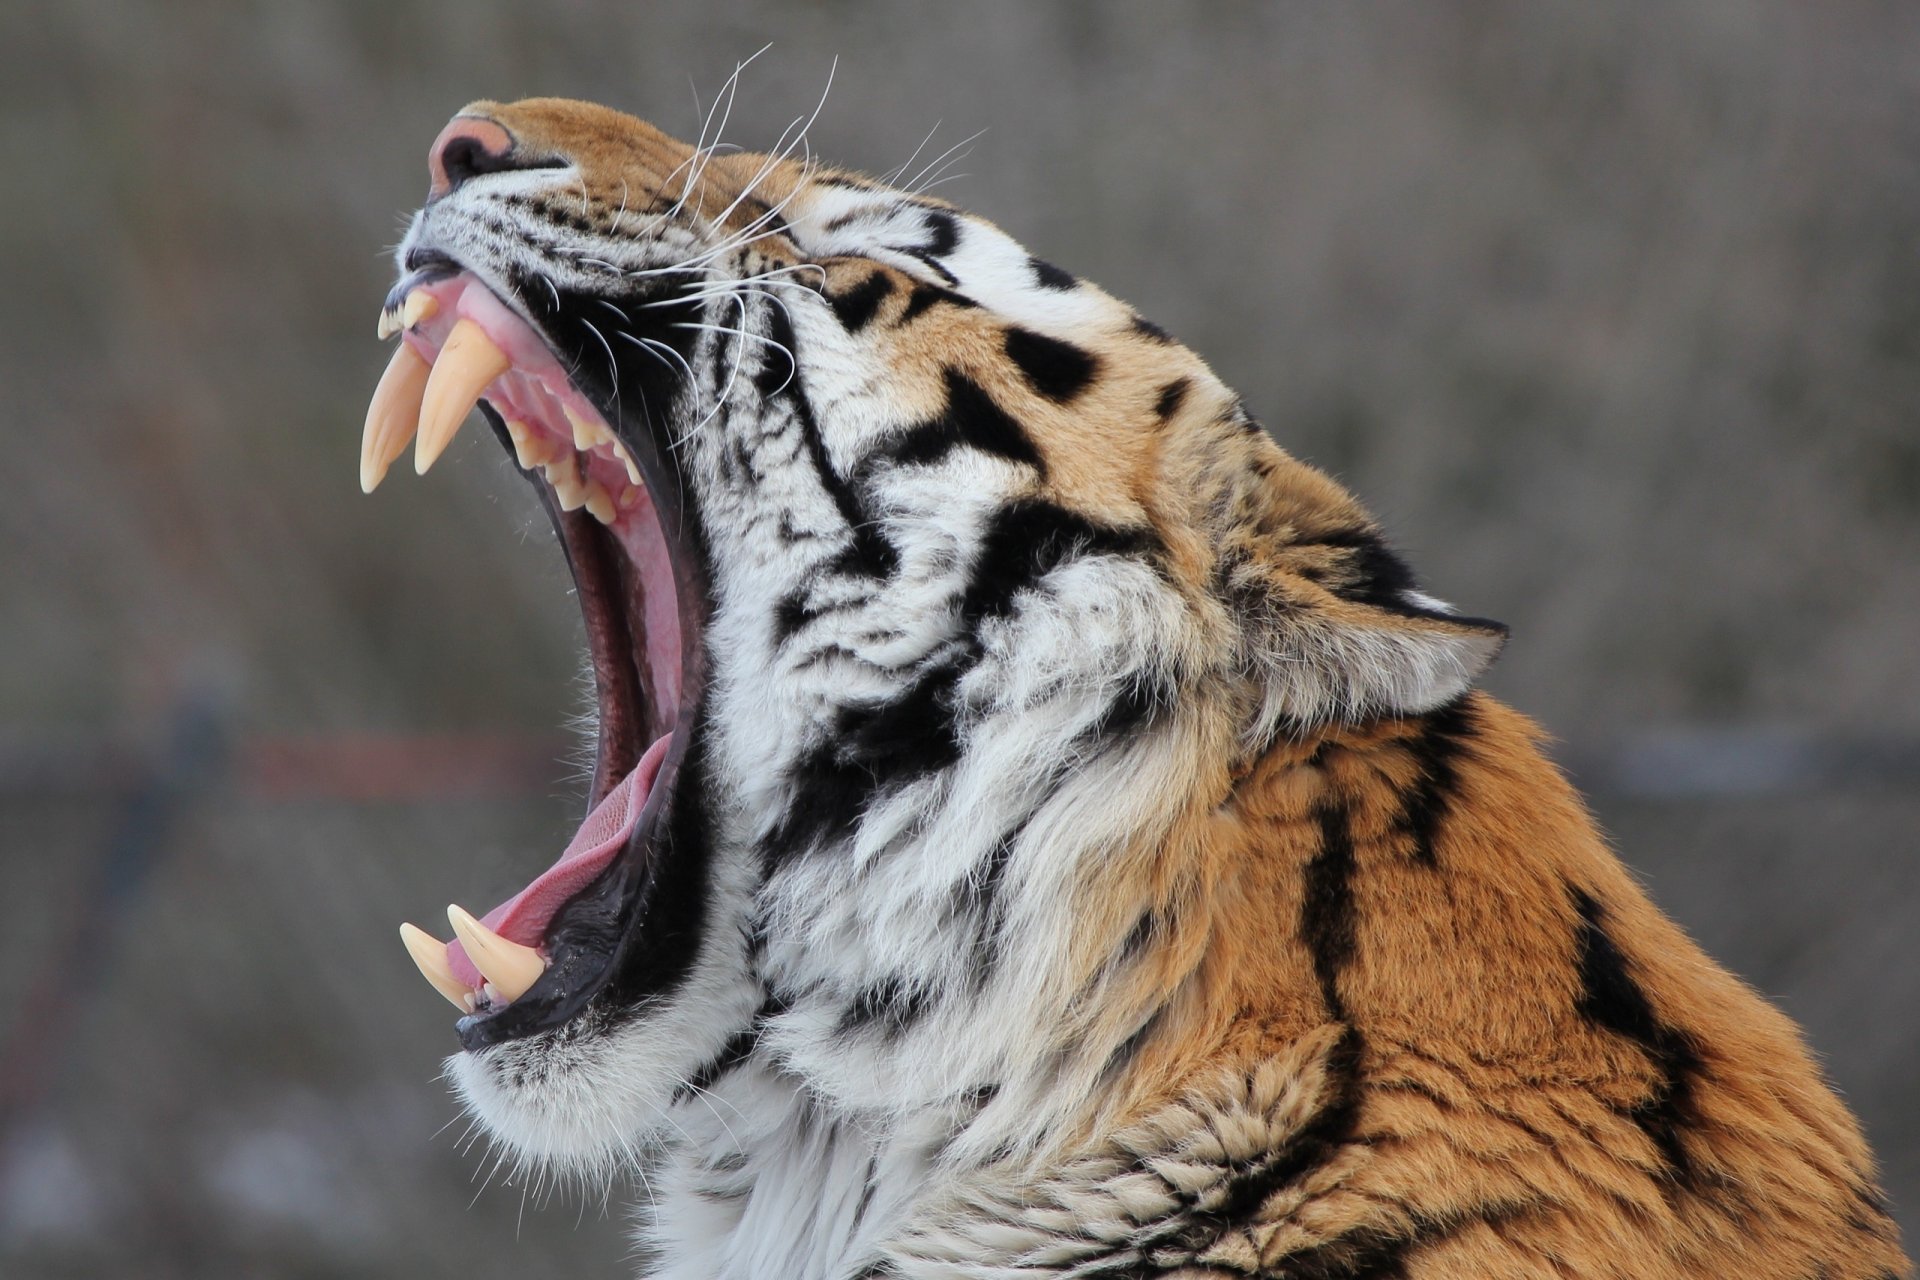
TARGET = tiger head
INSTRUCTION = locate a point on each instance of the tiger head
(935, 598)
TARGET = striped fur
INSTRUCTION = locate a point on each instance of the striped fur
(1098, 862)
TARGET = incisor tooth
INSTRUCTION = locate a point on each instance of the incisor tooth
(599, 502)
(392, 416)
(420, 305)
(467, 363)
(586, 434)
(563, 473)
(633, 468)
(507, 965)
(530, 447)
(431, 955)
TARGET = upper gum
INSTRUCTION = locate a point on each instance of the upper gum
(535, 383)
(464, 297)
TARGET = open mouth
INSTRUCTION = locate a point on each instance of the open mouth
(536, 960)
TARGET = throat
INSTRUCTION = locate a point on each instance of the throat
(632, 641)
(814, 1198)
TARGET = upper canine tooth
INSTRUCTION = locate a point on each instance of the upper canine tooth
(507, 965)
(388, 325)
(431, 955)
(420, 305)
(467, 363)
(392, 415)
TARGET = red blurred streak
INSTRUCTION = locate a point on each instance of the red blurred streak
(362, 767)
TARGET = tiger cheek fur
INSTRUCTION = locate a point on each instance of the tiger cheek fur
(1081, 849)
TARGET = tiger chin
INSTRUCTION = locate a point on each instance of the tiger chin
(1037, 825)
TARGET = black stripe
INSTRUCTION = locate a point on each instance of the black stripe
(1143, 696)
(936, 266)
(1375, 574)
(971, 418)
(857, 306)
(1382, 1253)
(893, 742)
(1250, 1185)
(981, 895)
(925, 296)
(1050, 276)
(911, 735)
(868, 552)
(738, 1048)
(1326, 905)
(1127, 1050)
(790, 615)
(1442, 740)
(1028, 539)
(1172, 396)
(758, 211)
(1314, 1143)
(830, 792)
(1057, 370)
(1610, 998)
(893, 1005)
(945, 230)
(870, 748)
(866, 1195)
(1151, 331)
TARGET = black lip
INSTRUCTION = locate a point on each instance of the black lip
(423, 266)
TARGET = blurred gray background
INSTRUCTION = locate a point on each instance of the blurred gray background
(1612, 312)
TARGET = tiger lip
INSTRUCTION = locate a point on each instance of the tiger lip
(536, 959)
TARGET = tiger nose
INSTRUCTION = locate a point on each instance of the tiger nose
(467, 147)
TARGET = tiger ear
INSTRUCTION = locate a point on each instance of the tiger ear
(1341, 661)
(1333, 625)
(1336, 631)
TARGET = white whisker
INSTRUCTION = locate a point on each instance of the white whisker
(891, 176)
(946, 157)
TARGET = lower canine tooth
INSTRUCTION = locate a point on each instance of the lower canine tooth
(467, 363)
(507, 965)
(431, 955)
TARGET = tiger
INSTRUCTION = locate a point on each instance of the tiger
(1038, 826)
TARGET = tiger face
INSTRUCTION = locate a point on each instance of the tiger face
(918, 575)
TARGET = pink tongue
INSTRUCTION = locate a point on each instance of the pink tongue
(523, 917)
